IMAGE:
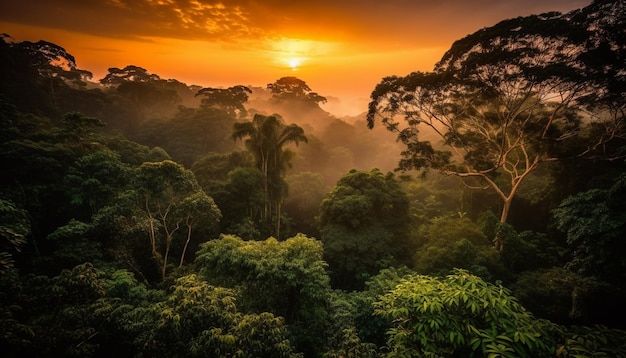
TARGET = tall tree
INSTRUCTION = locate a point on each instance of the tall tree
(266, 138)
(171, 197)
(504, 101)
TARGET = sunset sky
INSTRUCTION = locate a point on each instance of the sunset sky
(340, 48)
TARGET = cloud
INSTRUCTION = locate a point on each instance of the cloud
(235, 20)
(183, 19)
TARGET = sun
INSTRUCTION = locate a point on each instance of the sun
(294, 62)
(292, 53)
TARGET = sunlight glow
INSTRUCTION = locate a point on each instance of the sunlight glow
(293, 53)
(294, 62)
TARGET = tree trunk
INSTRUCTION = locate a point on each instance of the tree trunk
(168, 243)
(498, 241)
(182, 256)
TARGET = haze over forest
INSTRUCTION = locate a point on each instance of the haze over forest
(472, 206)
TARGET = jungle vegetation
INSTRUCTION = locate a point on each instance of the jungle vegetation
(481, 214)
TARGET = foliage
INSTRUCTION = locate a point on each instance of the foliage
(266, 138)
(212, 170)
(142, 94)
(370, 326)
(595, 224)
(353, 347)
(95, 179)
(58, 312)
(15, 334)
(190, 133)
(85, 312)
(292, 88)
(306, 191)
(506, 100)
(433, 195)
(244, 201)
(285, 278)
(200, 320)
(41, 76)
(231, 100)
(98, 213)
(170, 197)
(568, 298)
(14, 227)
(363, 223)
(461, 315)
(596, 341)
(73, 245)
(528, 251)
(450, 242)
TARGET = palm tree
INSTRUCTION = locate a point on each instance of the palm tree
(266, 137)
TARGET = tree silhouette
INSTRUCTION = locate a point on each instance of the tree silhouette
(293, 88)
(230, 100)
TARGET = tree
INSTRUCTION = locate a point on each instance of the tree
(212, 170)
(203, 320)
(145, 92)
(79, 131)
(170, 197)
(502, 102)
(594, 222)
(231, 100)
(292, 88)
(363, 223)
(56, 311)
(287, 278)
(117, 77)
(94, 179)
(306, 191)
(266, 138)
(244, 202)
(55, 66)
(191, 134)
(450, 243)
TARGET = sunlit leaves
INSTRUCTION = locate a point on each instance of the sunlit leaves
(285, 278)
(203, 320)
(461, 314)
(288, 273)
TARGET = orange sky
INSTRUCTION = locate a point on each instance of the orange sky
(340, 48)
